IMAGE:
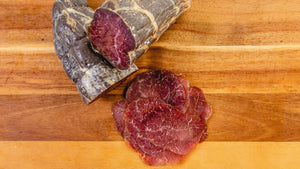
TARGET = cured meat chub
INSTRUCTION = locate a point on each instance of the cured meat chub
(91, 74)
(122, 30)
(162, 117)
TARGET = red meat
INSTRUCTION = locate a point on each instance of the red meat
(118, 109)
(135, 134)
(169, 128)
(162, 117)
(146, 85)
(161, 84)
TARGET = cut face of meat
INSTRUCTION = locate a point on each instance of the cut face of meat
(123, 30)
(168, 158)
(146, 85)
(111, 37)
(133, 116)
(179, 136)
(204, 110)
(92, 76)
(197, 104)
(118, 110)
(204, 134)
(161, 84)
(135, 133)
(180, 97)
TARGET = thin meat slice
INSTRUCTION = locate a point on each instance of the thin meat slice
(204, 134)
(164, 118)
(168, 158)
(161, 84)
(179, 87)
(195, 97)
(203, 109)
(117, 110)
(136, 137)
(169, 128)
(146, 85)
(197, 104)
(180, 98)
(199, 107)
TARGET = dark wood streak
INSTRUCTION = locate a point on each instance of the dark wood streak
(236, 117)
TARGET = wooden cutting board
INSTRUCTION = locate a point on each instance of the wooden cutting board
(245, 55)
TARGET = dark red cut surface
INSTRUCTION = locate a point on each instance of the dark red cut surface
(161, 84)
(118, 110)
(111, 37)
(162, 117)
(180, 97)
(135, 134)
(146, 85)
(197, 104)
(167, 127)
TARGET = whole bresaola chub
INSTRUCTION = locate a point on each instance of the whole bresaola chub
(122, 30)
(91, 74)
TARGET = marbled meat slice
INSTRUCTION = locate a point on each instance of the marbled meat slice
(180, 97)
(197, 104)
(135, 134)
(198, 107)
(146, 85)
(168, 158)
(123, 30)
(164, 118)
(167, 127)
(178, 86)
(162, 84)
(117, 110)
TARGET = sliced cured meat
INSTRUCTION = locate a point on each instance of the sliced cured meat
(123, 30)
(199, 107)
(133, 116)
(179, 136)
(203, 109)
(163, 117)
(168, 158)
(150, 160)
(197, 104)
(135, 134)
(145, 85)
(180, 97)
(118, 110)
(195, 97)
(161, 84)
(204, 134)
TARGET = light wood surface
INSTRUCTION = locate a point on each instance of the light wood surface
(243, 54)
(115, 155)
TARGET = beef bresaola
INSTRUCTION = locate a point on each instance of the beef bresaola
(162, 117)
(122, 30)
(91, 74)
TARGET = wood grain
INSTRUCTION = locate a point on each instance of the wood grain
(244, 55)
(208, 22)
(215, 70)
(237, 117)
(114, 155)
